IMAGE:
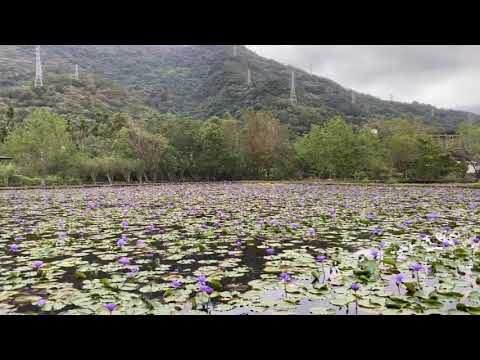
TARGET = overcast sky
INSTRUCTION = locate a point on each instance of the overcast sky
(446, 76)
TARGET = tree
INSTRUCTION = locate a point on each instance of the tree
(91, 167)
(470, 146)
(432, 163)
(137, 144)
(371, 153)
(403, 150)
(108, 166)
(42, 146)
(218, 156)
(330, 151)
(6, 173)
(183, 136)
(263, 140)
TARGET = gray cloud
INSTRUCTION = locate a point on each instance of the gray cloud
(446, 76)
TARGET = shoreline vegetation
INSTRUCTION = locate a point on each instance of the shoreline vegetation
(50, 150)
(466, 185)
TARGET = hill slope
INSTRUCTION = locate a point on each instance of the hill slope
(203, 81)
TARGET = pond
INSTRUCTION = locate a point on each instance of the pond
(240, 248)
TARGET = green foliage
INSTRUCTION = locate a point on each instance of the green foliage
(51, 150)
(335, 151)
(42, 146)
(200, 81)
(265, 142)
(7, 171)
(470, 146)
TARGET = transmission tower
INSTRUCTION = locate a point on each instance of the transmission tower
(354, 98)
(235, 50)
(293, 94)
(433, 113)
(391, 97)
(249, 77)
(38, 68)
(76, 77)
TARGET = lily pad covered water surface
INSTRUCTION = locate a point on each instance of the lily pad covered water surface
(240, 249)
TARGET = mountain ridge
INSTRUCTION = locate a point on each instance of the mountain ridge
(202, 81)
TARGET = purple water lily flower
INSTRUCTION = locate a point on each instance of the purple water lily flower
(122, 242)
(445, 244)
(176, 284)
(140, 242)
(124, 261)
(399, 278)
(382, 245)
(285, 277)
(42, 303)
(270, 251)
(432, 216)
(416, 267)
(374, 253)
(19, 238)
(125, 224)
(423, 236)
(321, 258)
(274, 222)
(133, 271)
(202, 279)
(14, 248)
(111, 307)
(377, 231)
(355, 287)
(38, 264)
(206, 289)
(311, 232)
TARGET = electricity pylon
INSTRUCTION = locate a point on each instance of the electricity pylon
(38, 68)
(76, 77)
(293, 94)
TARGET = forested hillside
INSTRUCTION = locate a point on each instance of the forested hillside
(196, 81)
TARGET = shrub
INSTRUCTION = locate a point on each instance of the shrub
(21, 180)
(53, 180)
(6, 173)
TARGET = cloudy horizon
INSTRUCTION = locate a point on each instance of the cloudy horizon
(446, 76)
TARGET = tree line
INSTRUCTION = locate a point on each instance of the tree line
(51, 149)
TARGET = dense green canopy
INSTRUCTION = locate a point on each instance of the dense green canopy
(48, 148)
